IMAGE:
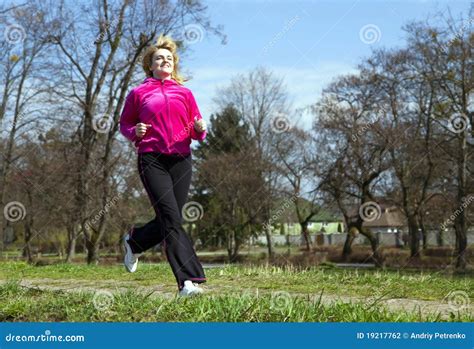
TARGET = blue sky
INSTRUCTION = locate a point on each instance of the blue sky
(308, 43)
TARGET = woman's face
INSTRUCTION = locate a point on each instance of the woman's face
(162, 64)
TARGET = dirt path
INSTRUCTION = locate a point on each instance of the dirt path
(394, 304)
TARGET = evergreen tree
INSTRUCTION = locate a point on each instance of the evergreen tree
(228, 133)
(226, 178)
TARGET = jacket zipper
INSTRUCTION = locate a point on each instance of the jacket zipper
(167, 111)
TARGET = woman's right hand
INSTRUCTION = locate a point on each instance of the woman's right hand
(140, 129)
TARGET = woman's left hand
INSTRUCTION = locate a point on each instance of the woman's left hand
(199, 125)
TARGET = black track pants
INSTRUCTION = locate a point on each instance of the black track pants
(167, 179)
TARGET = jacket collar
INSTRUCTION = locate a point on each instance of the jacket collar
(153, 80)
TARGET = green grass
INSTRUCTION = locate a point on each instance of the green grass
(21, 304)
(350, 282)
(237, 293)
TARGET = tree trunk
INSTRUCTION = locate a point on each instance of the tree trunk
(440, 239)
(460, 220)
(28, 228)
(235, 252)
(304, 231)
(233, 246)
(92, 253)
(71, 242)
(71, 250)
(414, 236)
(347, 249)
(230, 246)
(92, 247)
(268, 235)
(461, 241)
(423, 232)
(353, 228)
(27, 248)
(377, 258)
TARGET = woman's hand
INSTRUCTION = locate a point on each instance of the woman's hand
(140, 129)
(199, 125)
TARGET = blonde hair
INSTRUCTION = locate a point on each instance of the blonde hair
(168, 43)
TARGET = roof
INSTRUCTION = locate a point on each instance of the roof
(390, 216)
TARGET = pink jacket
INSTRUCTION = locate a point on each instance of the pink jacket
(171, 110)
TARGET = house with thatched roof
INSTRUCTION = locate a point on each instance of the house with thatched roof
(391, 220)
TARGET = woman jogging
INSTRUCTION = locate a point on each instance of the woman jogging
(161, 117)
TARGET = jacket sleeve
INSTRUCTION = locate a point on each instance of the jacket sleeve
(129, 117)
(195, 114)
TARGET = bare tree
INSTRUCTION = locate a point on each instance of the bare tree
(22, 52)
(261, 99)
(352, 154)
(447, 62)
(295, 162)
(407, 99)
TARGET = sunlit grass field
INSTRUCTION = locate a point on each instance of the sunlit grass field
(74, 292)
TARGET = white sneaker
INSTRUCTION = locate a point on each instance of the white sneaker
(131, 259)
(190, 289)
